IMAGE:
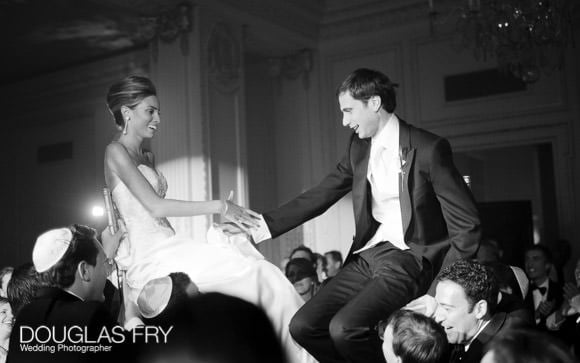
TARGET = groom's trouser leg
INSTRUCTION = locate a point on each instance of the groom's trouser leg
(337, 325)
(309, 326)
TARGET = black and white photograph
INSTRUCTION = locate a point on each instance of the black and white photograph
(290, 181)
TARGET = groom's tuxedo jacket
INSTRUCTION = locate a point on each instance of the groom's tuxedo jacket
(439, 215)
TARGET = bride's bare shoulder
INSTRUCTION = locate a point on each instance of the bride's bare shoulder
(116, 154)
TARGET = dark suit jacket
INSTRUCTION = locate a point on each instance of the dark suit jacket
(554, 294)
(439, 216)
(57, 309)
(499, 323)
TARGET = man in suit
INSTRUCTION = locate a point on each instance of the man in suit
(546, 295)
(72, 313)
(413, 214)
(333, 262)
(466, 297)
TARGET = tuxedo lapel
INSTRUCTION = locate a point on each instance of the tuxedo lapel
(404, 190)
(361, 192)
(407, 156)
(475, 351)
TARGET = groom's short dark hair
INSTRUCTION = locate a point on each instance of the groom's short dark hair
(365, 83)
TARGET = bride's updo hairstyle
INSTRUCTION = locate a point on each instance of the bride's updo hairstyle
(129, 91)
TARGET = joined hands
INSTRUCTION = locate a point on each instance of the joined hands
(242, 219)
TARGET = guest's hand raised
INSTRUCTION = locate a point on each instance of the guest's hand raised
(111, 241)
(545, 308)
(570, 290)
(245, 219)
(426, 305)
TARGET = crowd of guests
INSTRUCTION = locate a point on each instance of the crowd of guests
(308, 270)
(480, 310)
(67, 310)
(514, 314)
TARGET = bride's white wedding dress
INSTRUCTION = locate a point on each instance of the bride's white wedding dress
(153, 250)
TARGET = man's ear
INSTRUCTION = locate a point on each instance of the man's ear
(375, 103)
(480, 309)
(84, 270)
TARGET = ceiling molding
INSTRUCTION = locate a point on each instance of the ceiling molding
(373, 16)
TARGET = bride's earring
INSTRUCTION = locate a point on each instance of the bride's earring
(125, 128)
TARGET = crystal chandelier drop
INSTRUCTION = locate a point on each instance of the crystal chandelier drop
(527, 37)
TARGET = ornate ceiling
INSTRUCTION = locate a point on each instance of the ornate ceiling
(41, 36)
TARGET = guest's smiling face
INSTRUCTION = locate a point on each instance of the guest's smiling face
(304, 286)
(460, 319)
(362, 117)
(537, 265)
(6, 320)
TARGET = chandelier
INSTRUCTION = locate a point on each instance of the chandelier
(527, 37)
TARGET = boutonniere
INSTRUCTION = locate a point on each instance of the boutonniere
(403, 156)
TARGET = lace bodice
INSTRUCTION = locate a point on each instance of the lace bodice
(144, 230)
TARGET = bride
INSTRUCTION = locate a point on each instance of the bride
(152, 249)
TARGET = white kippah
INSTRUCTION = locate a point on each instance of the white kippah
(154, 297)
(50, 247)
(522, 280)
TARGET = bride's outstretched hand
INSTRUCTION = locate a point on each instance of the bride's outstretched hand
(244, 218)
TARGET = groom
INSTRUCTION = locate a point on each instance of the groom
(413, 213)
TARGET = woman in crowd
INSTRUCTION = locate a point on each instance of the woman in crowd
(6, 320)
(302, 275)
(5, 275)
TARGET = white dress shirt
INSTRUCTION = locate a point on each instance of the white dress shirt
(384, 175)
(538, 297)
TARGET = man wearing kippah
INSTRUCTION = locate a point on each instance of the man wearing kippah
(65, 323)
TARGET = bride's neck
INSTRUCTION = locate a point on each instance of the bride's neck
(132, 144)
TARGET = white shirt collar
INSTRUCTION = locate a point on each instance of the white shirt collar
(476, 334)
(388, 136)
(75, 295)
(545, 284)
